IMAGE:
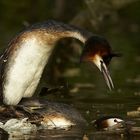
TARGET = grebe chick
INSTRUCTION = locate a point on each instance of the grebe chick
(23, 62)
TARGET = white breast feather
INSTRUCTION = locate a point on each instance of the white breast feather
(24, 75)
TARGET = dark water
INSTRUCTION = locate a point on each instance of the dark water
(111, 104)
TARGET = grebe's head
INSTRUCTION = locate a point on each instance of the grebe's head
(98, 51)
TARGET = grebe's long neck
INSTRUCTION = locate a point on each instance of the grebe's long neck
(27, 56)
(58, 30)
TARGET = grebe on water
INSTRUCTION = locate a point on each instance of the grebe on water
(22, 65)
(23, 62)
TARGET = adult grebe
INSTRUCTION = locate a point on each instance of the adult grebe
(23, 62)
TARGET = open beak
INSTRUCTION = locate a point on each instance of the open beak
(98, 61)
(106, 75)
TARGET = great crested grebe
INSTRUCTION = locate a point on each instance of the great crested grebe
(23, 62)
(109, 123)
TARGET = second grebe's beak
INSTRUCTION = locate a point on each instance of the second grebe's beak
(98, 61)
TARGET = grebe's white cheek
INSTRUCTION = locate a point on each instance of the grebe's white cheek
(113, 121)
(97, 61)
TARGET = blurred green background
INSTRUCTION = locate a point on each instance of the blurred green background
(117, 20)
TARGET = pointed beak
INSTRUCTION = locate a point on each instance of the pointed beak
(103, 68)
(106, 75)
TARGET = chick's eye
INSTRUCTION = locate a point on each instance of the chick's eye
(106, 59)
